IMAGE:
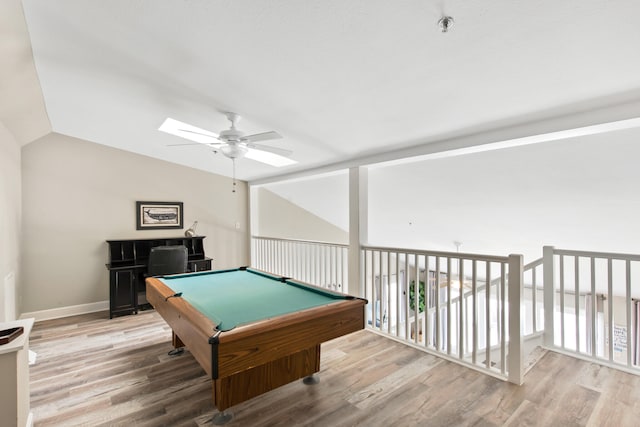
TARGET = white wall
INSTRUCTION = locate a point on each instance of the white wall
(578, 193)
(10, 206)
(280, 218)
(77, 195)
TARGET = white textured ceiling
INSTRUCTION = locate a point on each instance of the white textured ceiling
(348, 81)
(338, 79)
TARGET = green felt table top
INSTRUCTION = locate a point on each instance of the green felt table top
(235, 297)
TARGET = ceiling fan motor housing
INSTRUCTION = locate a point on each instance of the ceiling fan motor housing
(231, 135)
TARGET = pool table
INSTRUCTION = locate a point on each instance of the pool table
(249, 330)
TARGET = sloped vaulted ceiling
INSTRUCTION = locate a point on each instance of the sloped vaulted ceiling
(22, 107)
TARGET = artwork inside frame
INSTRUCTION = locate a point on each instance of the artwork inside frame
(158, 215)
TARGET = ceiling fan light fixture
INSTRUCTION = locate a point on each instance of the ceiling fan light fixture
(234, 151)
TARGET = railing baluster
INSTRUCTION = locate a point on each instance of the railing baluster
(629, 304)
(534, 300)
(462, 309)
(449, 315)
(562, 307)
(389, 275)
(416, 298)
(428, 334)
(487, 321)
(437, 316)
(594, 313)
(380, 288)
(405, 279)
(576, 286)
(610, 300)
(503, 329)
(398, 293)
(474, 294)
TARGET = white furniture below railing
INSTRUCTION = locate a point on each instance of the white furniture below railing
(14, 376)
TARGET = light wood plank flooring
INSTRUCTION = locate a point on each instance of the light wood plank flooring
(94, 371)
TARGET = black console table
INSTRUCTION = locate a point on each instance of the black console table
(127, 267)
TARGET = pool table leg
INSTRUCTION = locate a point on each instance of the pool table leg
(311, 380)
(176, 341)
(178, 345)
(221, 418)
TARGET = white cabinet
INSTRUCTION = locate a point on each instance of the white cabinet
(14, 376)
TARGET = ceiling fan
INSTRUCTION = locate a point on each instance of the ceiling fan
(232, 142)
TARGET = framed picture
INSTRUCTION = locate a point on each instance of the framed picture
(158, 215)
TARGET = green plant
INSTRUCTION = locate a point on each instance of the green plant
(412, 296)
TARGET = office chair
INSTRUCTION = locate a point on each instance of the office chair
(167, 260)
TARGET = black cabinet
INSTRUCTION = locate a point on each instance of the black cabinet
(122, 291)
(128, 260)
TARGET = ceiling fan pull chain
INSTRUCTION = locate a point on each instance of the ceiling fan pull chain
(234, 175)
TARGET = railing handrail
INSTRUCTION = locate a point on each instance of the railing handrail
(591, 254)
(443, 254)
(532, 264)
(313, 242)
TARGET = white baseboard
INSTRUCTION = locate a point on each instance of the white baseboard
(56, 313)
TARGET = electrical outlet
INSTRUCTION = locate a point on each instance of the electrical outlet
(237, 226)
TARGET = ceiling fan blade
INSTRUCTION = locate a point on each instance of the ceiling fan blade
(262, 136)
(187, 131)
(216, 144)
(208, 135)
(274, 150)
(179, 145)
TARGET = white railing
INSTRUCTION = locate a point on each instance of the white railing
(595, 313)
(319, 263)
(408, 297)
(440, 302)
(469, 309)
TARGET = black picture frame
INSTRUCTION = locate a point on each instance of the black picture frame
(159, 215)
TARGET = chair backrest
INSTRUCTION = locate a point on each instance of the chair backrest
(167, 260)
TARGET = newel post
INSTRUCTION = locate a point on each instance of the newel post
(549, 295)
(358, 227)
(515, 361)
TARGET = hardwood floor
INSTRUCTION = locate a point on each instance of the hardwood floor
(93, 371)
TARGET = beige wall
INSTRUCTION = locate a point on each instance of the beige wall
(77, 194)
(10, 206)
(280, 218)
